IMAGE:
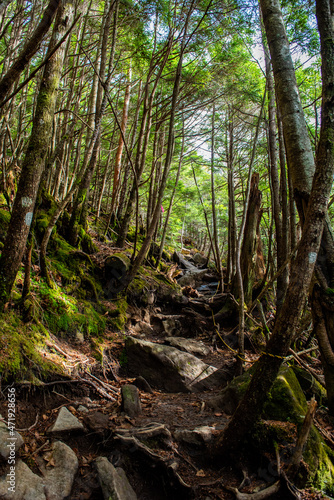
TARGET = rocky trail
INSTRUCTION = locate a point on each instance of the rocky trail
(139, 425)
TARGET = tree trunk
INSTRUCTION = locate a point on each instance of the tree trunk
(29, 49)
(275, 184)
(250, 244)
(80, 204)
(213, 205)
(33, 163)
(119, 151)
(145, 129)
(232, 222)
(251, 406)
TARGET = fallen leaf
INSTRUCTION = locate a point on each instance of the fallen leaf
(200, 473)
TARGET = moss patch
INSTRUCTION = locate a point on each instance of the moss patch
(67, 315)
(19, 349)
(319, 458)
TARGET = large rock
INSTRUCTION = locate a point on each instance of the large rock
(60, 476)
(66, 422)
(114, 483)
(170, 369)
(10, 442)
(286, 403)
(200, 259)
(189, 345)
(23, 485)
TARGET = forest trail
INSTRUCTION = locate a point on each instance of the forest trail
(162, 441)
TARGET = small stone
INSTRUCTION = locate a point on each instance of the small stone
(66, 422)
(15, 440)
(59, 478)
(197, 436)
(131, 404)
(82, 409)
(79, 336)
(113, 481)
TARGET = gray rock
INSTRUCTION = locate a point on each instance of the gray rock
(82, 409)
(189, 345)
(113, 481)
(66, 422)
(131, 404)
(199, 259)
(15, 440)
(198, 436)
(192, 278)
(28, 486)
(59, 478)
(171, 326)
(171, 369)
(142, 327)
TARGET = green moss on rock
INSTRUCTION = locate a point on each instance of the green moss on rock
(20, 345)
(319, 458)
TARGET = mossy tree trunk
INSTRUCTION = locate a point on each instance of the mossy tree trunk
(34, 160)
(29, 49)
(251, 406)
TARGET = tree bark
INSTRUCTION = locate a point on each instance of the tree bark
(29, 49)
(34, 161)
(251, 406)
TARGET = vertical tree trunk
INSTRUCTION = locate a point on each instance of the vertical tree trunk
(213, 205)
(251, 406)
(144, 133)
(275, 184)
(171, 201)
(118, 158)
(34, 160)
(80, 204)
(232, 222)
(250, 244)
(29, 49)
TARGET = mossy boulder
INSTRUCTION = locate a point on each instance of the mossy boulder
(286, 403)
(319, 459)
(86, 242)
(311, 387)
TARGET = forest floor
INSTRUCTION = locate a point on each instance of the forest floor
(149, 473)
